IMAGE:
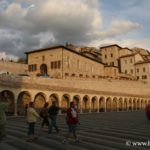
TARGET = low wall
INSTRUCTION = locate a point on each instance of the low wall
(100, 86)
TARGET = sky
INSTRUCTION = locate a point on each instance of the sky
(27, 25)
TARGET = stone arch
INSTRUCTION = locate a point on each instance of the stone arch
(43, 69)
(8, 96)
(130, 104)
(39, 100)
(65, 101)
(125, 106)
(142, 103)
(146, 102)
(108, 104)
(53, 97)
(86, 103)
(134, 104)
(138, 104)
(102, 104)
(94, 101)
(77, 100)
(24, 98)
(120, 104)
(114, 104)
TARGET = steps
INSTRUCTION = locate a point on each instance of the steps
(108, 131)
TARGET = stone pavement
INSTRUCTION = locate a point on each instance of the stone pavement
(103, 131)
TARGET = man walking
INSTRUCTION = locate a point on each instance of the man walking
(53, 111)
(72, 119)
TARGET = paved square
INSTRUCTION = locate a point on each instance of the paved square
(99, 131)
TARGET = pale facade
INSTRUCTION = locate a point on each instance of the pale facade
(128, 63)
(112, 53)
(61, 62)
(143, 70)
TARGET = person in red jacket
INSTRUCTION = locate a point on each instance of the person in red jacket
(148, 111)
(72, 120)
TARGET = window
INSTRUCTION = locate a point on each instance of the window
(93, 76)
(80, 75)
(137, 70)
(131, 70)
(112, 63)
(130, 60)
(43, 58)
(144, 69)
(73, 75)
(55, 64)
(111, 55)
(144, 77)
(138, 77)
(59, 64)
(87, 76)
(125, 71)
(32, 67)
(105, 56)
(66, 74)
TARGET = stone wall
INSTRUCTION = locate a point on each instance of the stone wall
(12, 67)
(97, 86)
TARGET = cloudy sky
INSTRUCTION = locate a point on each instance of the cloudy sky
(30, 24)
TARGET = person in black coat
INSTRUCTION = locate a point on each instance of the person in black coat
(53, 111)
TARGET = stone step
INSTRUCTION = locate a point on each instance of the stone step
(6, 146)
(21, 144)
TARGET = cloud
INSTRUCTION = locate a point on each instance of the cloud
(130, 43)
(50, 21)
(5, 56)
(31, 24)
(118, 27)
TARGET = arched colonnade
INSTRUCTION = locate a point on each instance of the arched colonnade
(86, 103)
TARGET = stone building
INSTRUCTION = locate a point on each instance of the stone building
(62, 62)
(9, 67)
(63, 74)
(143, 70)
(110, 57)
(112, 53)
(127, 63)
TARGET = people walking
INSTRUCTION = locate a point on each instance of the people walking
(53, 111)
(44, 115)
(72, 120)
(31, 117)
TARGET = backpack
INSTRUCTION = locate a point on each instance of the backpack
(43, 113)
